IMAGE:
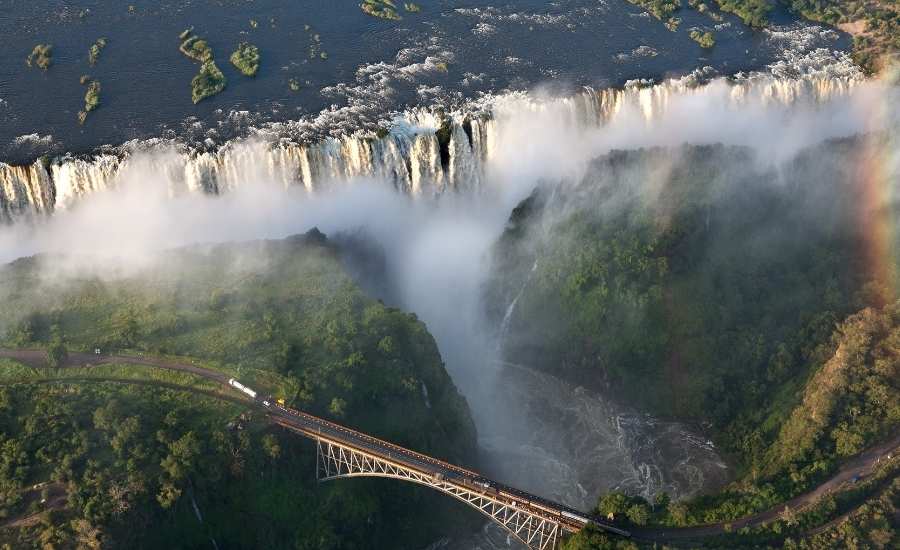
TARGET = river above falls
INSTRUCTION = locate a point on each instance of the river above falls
(329, 69)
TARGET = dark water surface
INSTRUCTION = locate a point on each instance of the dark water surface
(450, 51)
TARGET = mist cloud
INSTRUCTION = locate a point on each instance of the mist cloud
(437, 249)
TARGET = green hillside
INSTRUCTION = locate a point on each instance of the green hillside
(127, 461)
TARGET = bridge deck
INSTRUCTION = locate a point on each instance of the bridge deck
(319, 428)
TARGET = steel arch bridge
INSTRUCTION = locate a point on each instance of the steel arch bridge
(344, 453)
(335, 461)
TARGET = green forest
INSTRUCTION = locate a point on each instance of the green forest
(159, 463)
(700, 282)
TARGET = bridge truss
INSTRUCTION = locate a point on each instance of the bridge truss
(335, 460)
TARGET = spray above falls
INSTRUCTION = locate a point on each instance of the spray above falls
(427, 153)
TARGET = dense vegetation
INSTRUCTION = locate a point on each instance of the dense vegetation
(94, 52)
(91, 97)
(41, 56)
(664, 10)
(872, 525)
(874, 24)
(706, 39)
(850, 402)
(210, 80)
(387, 9)
(281, 315)
(246, 58)
(696, 283)
(754, 13)
(863, 516)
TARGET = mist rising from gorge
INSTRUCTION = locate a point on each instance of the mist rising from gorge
(437, 244)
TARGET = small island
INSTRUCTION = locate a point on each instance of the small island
(94, 52)
(246, 59)
(382, 9)
(194, 47)
(705, 39)
(210, 80)
(41, 56)
(664, 10)
(91, 98)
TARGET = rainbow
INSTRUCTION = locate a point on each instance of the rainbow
(876, 177)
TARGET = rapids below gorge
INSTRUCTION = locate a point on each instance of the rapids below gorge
(569, 444)
(434, 195)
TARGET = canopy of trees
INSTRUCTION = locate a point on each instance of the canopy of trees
(128, 458)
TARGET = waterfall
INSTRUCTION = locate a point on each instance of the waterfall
(25, 190)
(410, 157)
(507, 317)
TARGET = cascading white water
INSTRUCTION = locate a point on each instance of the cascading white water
(410, 157)
(511, 308)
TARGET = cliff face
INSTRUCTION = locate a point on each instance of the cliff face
(693, 280)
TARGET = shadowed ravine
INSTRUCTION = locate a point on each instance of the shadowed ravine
(569, 444)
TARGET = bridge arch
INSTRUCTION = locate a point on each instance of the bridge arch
(334, 461)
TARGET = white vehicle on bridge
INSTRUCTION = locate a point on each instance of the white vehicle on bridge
(242, 388)
(576, 517)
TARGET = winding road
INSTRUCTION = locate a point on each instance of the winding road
(858, 467)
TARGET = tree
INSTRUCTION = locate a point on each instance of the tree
(661, 500)
(639, 514)
(126, 328)
(182, 453)
(168, 494)
(613, 503)
(338, 407)
(386, 345)
(88, 536)
(788, 516)
(57, 353)
(589, 538)
(679, 513)
(271, 447)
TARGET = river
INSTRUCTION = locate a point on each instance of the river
(261, 160)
